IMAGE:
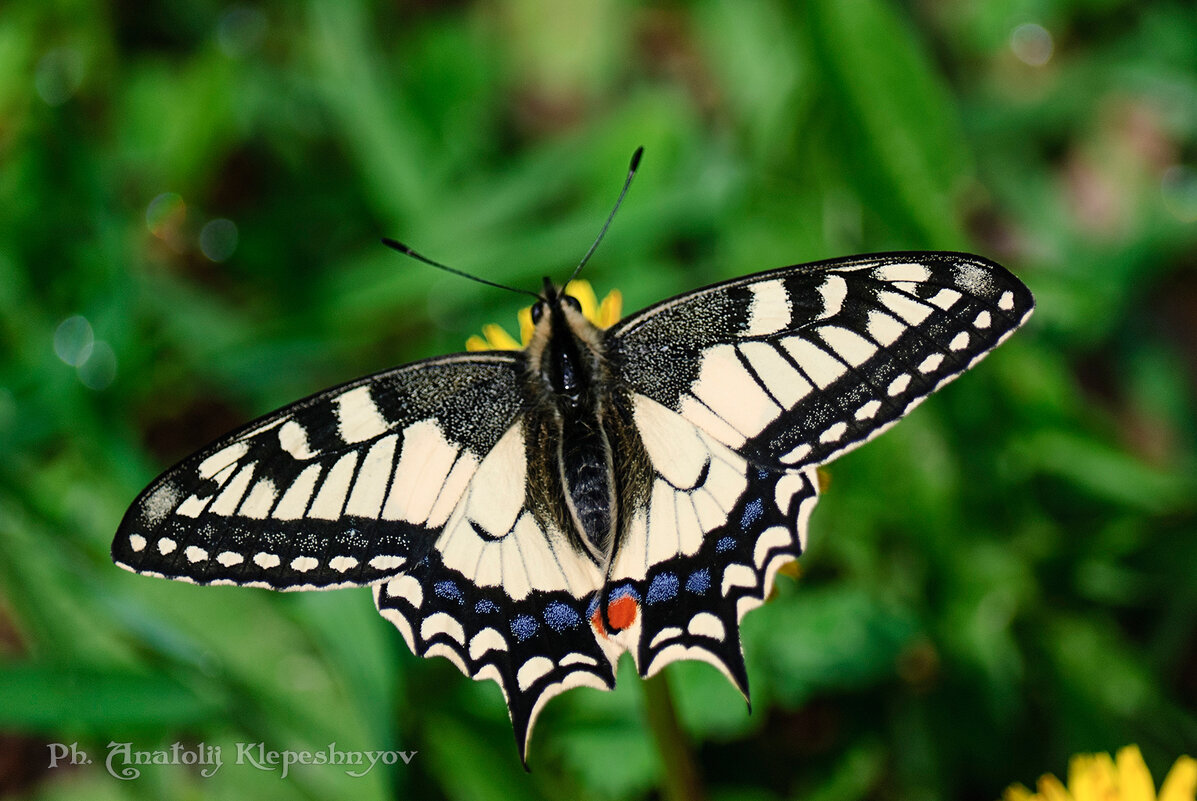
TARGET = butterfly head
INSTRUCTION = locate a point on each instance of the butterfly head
(553, 297)
(565, 345)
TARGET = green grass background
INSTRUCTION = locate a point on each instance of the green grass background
(1005, 579)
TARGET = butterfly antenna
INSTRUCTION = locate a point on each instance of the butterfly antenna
(406, 251)
(627, 183)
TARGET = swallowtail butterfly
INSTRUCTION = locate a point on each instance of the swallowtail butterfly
(530, 515)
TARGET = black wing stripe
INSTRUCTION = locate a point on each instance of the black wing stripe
(941, 349)
(757, 376)
(852, 405)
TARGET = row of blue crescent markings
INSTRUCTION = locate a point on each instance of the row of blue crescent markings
(562, 617)
(753, 511)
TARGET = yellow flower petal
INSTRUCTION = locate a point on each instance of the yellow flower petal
(1134, 780)
(609, 310)
(1098, 777)
(498, 338)
(583, 292)
(1181, 782)
(1080, 777)
(1016, 792)
(476, 342)
(1051, 789)
(526, 326)
(1091, 777)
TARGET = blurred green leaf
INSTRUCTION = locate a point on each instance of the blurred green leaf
(908, 150)
(45, 696)
(470, 769)
(1107, 472)
(853, 777)
(831, 638)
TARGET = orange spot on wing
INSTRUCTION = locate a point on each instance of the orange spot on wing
(621, 612)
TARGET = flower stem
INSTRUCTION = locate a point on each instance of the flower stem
(680, 781)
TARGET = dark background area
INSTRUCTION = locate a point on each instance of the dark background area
(191, 196)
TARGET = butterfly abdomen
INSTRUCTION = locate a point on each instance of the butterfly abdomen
(585, 460)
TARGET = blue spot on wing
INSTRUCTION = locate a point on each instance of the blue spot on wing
(560, 617)
(524, 626)
(618, 592)
(625, 590)
(753, 511)
(725, 544)
(663, 587)
(699, 581)
(449, 591)
(485, 607)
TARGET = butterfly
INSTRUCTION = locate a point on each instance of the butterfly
(530, 515)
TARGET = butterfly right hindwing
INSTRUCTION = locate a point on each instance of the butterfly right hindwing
(704, 549)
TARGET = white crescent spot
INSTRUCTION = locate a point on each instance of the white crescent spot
(533, 669)
(358, 419)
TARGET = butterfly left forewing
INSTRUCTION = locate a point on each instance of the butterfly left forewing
(343, 488)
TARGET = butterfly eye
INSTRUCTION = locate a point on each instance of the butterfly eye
(573, 303)
(537, 313)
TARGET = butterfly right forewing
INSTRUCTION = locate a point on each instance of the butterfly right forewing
(794, 366)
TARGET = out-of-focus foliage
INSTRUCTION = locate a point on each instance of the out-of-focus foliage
(191, 196)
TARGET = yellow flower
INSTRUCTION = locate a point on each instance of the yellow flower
(1097, 777)
(604, 315)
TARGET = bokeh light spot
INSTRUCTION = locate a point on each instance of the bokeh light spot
(1179, 188)
(74, 340)
(58, 75)
(99, 370)
(165, 216)
(1032, 44)
(218, 239)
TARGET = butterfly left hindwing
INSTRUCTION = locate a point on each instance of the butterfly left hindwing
(502, 595)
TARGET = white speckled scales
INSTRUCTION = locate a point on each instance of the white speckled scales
(416, 480)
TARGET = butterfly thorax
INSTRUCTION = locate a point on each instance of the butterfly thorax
(568, 392)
